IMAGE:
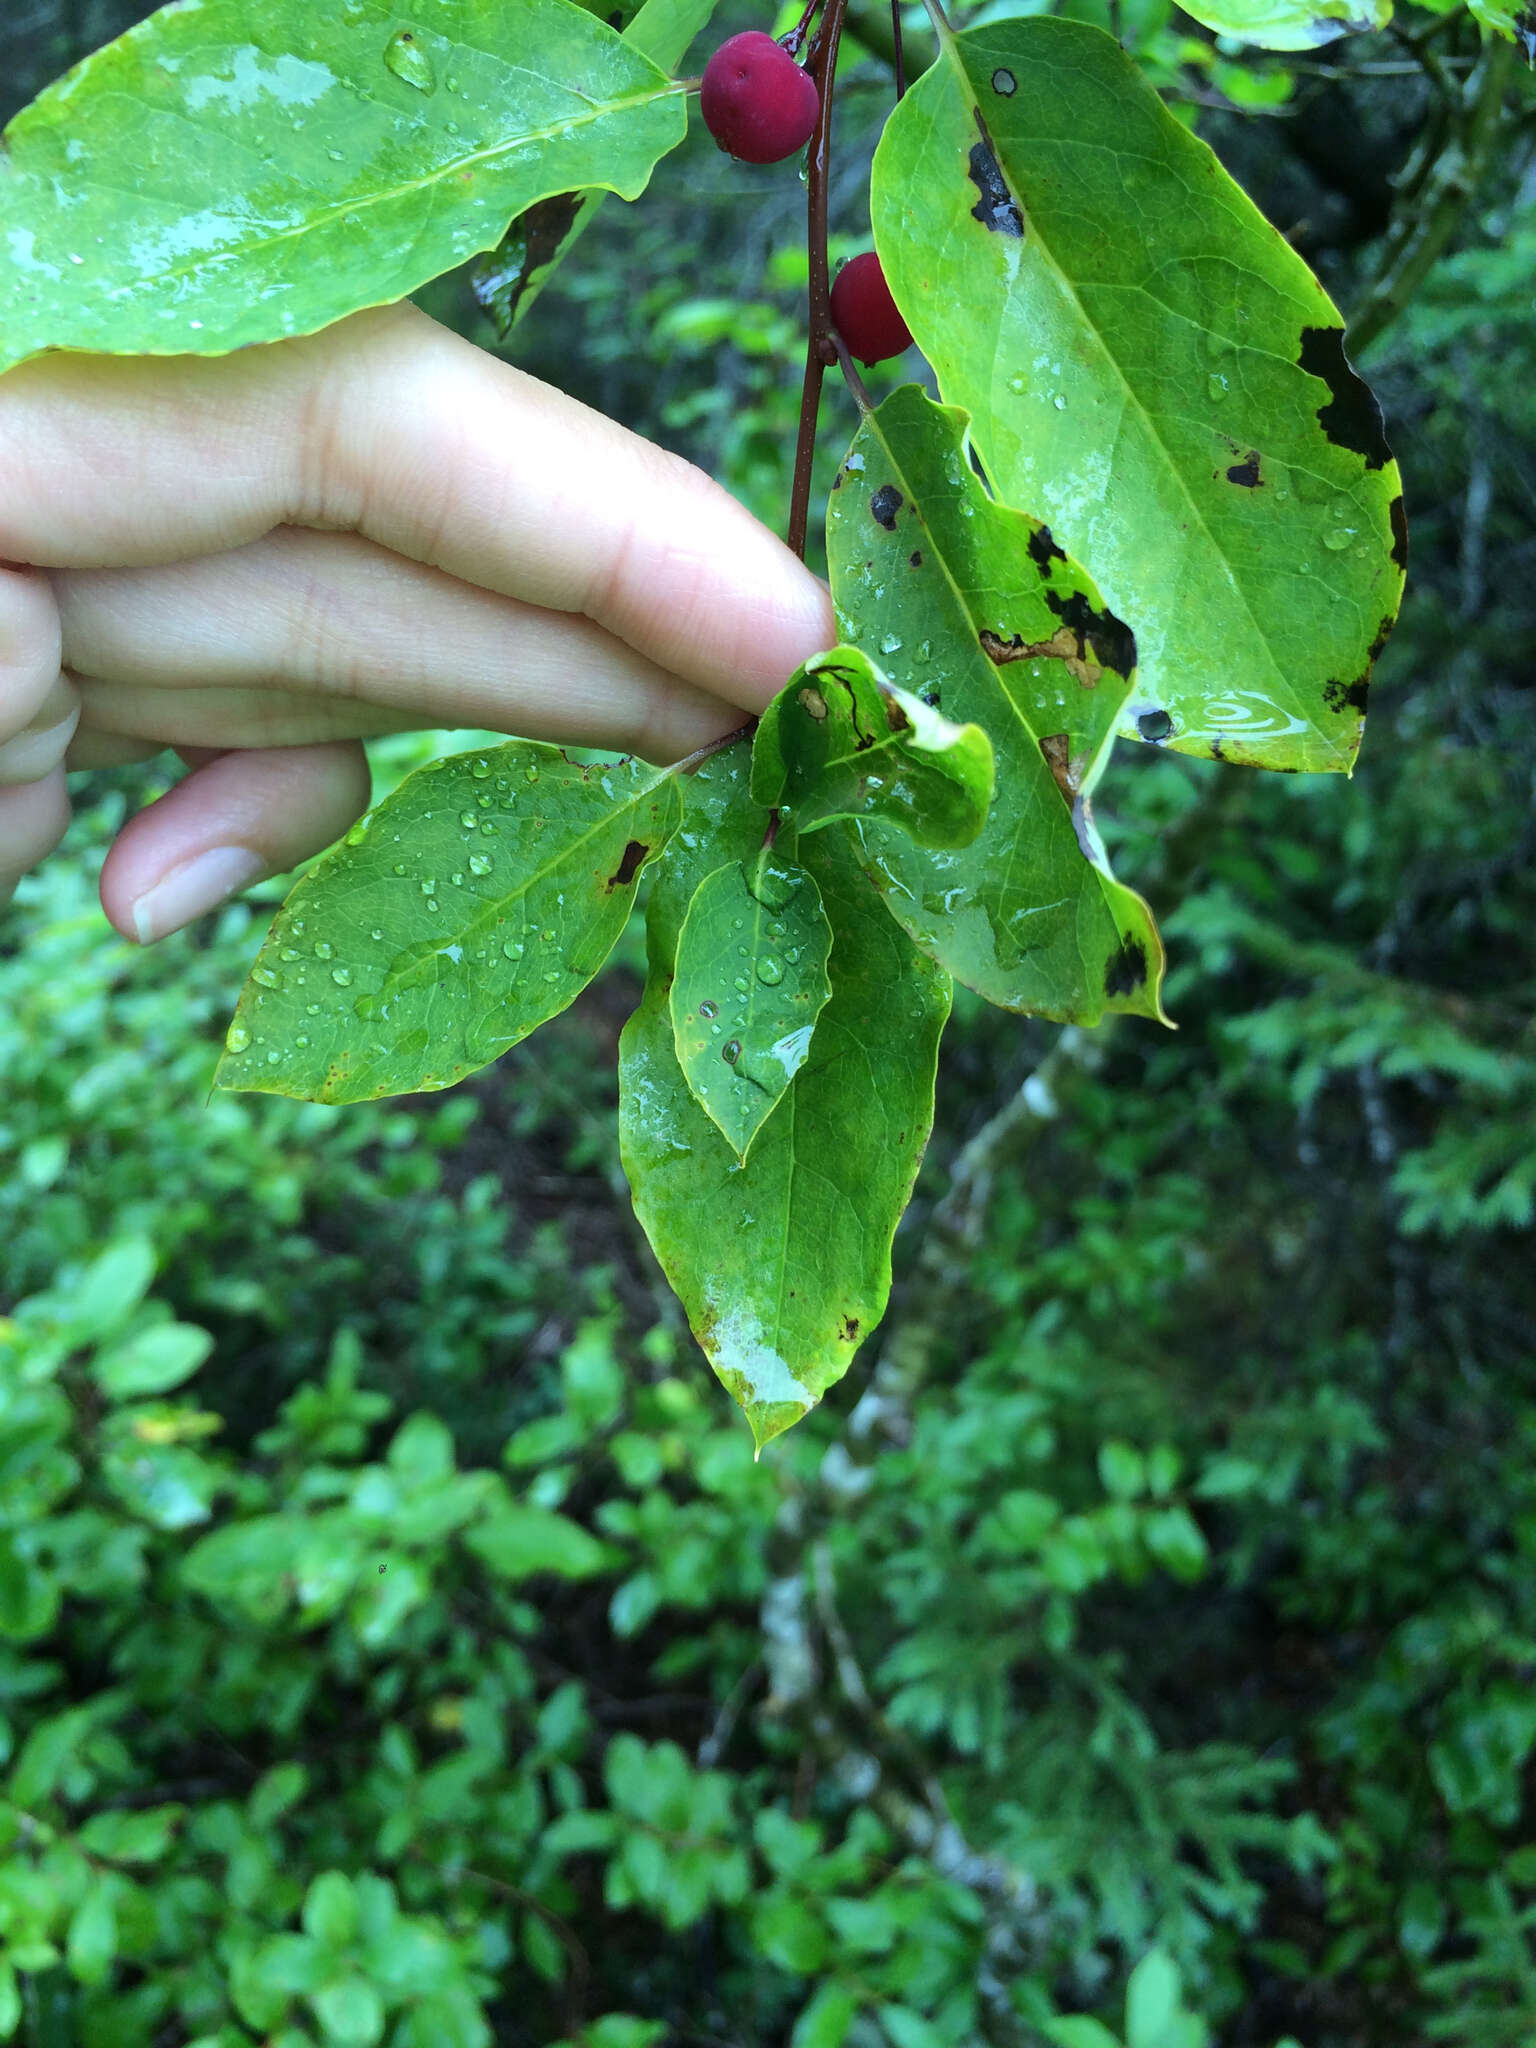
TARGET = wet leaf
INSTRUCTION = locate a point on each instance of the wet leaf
(783, 1264)
(1151, 369)
(842, 741)
(473, 904)
(1291, 24)
(339, 158)
(511, 276)
(975, 606)
(751, 980)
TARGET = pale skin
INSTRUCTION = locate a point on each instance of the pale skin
(262, 559)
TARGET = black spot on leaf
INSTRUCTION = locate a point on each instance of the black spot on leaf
(1383, 635)
(850, 1329)
(1155, 726)
(1126, 968)
(884, 506)
(1112, 641)
(916, 558)
(996, 209)
(1004, 82)
(1351, 418)
(629, 864)
(1348, 696)
(1043, 550)
(1246, 472)
(1398, 515)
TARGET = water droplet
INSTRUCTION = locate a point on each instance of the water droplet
(311, 1009)
(553, 975)
(546, 938)
(1339, 538)
(337, 156)
(770, 970)
(468, 820)
(1059, 402)
(302, 1039)
(891, 644)
(342, 976)
(512, 949)
(1215, 385)
(480, 768)
(236, 1038)
(431, 903)
(377, 932)
(480, 863)
(458, 879)
(1017, 385)
(530, 774)
(776, 928)
(730, 1052)
(324, 950)
(741, 984)
(273, 1057)
(709, 1009)
(400, 867)
(409, 61)
(267, 976)
(429, 888)
(289, 953)
(487, 830)
(792, 955)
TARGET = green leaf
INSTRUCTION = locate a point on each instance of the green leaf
(472, 905)
(1122, 1469)
(975, 606)
(29, 1593)
(1514, 22)
(1080, 2031)
(330, 1909)
(825, 2021)
(351, 2012)
(1151, 368)
(141, 1837)
(91, 1942)
(784, 1264)
(841, 741)
(10, 2000)
(518, 1540)
(336, 158)
(750, 982)
(152, 1361)
(1291, 24)
(115, 1282)
(1177, 1541)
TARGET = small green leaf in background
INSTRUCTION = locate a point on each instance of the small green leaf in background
(974, 607)
(91, 1943)
(470, 906)
(1152, 369)
(151, 1361)
(1291, 24)
(10, 2000)
(1155, 2016)
(750, 982)
(351, 2012)
(782, 1264)
(29, 1593)
(517, 1540)
(339, 158)
(825, 2021)
(141, 1837)
(330, 1909)
(842, 741)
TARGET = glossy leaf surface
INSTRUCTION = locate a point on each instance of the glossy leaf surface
(842, 741)
(473, 904)
(751, 980)
(1291, 24)
(1151, 369)
(293, 163)
(783, 1264)
(976, 607)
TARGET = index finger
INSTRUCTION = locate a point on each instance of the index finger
(391, 426)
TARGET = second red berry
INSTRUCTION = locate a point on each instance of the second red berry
(756, 101)
(865, 314)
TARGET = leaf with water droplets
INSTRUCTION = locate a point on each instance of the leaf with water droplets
(1152, 369)
(1018, 639)
(750, 982)
(1291, 24)
(783, 1264)
(294, 163)
(842, 741)
(404, 962)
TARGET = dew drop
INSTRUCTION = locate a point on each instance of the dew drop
(1215, 385)
(458, 879)
(707, 1009)
(770, 970)
(891, 644)
(289, 953)
(359, 832)
(273, 1057)
(1059, 402)
(730, 1052)
(1017, 385)
(342, 976)
(236, 1038)
(311, 1009)
(487, 829)
(337, 156)
(267, 976)
(512, 949)
(400, 867)
(324, 950)
(409, 61)
(553, 975)
(431, 903)
(377, 932)
(530, 774)
(429, 888)
(741, 984)
(480, 768)
(1339, 538)
(480, 863)
(468, 820)
(546, 938)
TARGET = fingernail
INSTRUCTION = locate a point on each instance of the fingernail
(198, 884)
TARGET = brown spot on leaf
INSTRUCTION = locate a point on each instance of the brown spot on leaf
(884, 506)
(1246, 472)
(1398, 514)
(812, 703)
(916, 558)
(996, 209)
(1112, 642)
(1068, 774)
(1063, 645)
(1351, 418)
(629, 865)
(849, 1329)
(1126, 968)
(895, 717)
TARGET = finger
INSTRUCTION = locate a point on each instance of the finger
(90, 750)
(388, 425)
(29, 656)
(223, 719)
(44, 741)
(34, 817)
(339, 616)
(236, 817)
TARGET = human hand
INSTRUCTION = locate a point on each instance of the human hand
(262, 558)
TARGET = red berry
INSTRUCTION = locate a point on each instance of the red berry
(864, 313)
(756, 101)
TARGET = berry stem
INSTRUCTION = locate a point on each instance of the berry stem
(819, 348)
(855, 382)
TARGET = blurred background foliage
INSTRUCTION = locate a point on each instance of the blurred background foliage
(397, 1641)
